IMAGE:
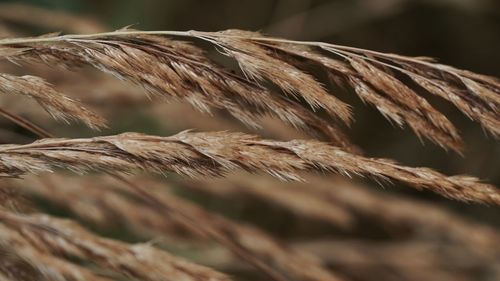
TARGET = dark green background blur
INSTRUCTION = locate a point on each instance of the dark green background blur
(462, 33)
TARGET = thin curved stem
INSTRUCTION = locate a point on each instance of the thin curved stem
(199, 34)
(26, 124)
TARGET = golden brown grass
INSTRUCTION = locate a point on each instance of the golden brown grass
(274, 81)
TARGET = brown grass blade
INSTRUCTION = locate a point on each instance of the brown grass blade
(399, 213)
(475, 95)
(297, 198)
(408, 260)
(213, 154)
(388, 212)
(20, 260)
(402, 94)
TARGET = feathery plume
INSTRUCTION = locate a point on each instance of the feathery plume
(59, 106)
(246, 242)
(213, 154)
(144, 262)
(179, 71)
(20, 260)
(371, 74)
(257, 64)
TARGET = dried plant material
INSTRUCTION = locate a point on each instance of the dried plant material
(258, 64)
(366, 72)
(22, 261)
(424, 237)
(250, 244)
(179, 71)
(414, 105)
(391, 97)
(143, 262)
(11, 52)
(59, 106)
(25, 123)
(414, 240)
(10, 199)
(400, 115)
(213, 154)
(327, 199)
(471, 106)
(472, 239)
(473, 94)
(369, 73)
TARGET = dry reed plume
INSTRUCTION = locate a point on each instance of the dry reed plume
(149, 60)
(179, 71)
(59, 106)
(214, 154)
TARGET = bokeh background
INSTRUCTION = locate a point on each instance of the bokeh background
(462, 33)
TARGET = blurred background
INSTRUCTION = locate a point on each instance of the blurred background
(462, 33)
